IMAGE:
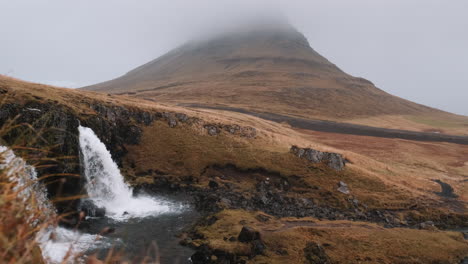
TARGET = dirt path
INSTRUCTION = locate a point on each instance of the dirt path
(345, 128)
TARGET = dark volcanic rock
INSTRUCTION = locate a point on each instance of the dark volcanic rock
(248, 234)
(333, 160)
(258, 247)
(52, 129)
(201, 257)
(182, 117)
(213, 184)
(90, 209)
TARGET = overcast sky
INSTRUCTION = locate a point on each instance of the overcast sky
(416, 49)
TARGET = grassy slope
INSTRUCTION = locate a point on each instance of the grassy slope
(186, 150)
(343, 241)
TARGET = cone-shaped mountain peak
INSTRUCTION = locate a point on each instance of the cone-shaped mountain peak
(266, 66)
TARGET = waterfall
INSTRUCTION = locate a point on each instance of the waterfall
(58, 245)
(105, 184)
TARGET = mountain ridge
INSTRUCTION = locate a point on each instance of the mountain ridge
(264, 69)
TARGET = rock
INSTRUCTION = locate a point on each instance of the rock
(258, 247)
(212, 130)
(226, 202)
(232, 239)
(90, 209)
(343, 187)
(172, 122)
(232, 129)
(356, 202)
(200, 257)
(315, 254)
(428, 225)
(333, 160)
(248, 234)
(336, 161)
(181, 117)
(213, 185)
(248, 132)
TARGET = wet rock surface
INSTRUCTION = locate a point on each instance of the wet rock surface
(90, 209)
(333, 160)
(54, 127)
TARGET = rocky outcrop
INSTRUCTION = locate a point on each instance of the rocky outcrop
(216, 129)
(49, 132)
(333, 160)
(315, 254)
(51, 128)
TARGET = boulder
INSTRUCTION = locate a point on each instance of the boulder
(181, 117)
(343, 187)
(248, 234)
(212, 130)
(258, 247)
(428, 225)
(172, 122)
(333, 160)
(90, 209)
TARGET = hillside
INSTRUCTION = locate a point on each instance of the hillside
(265, 69)
(239, 170)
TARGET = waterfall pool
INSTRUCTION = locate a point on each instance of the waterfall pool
(152, 236)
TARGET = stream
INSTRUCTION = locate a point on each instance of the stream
(135, 227)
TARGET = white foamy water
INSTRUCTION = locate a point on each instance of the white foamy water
(61, 245)
(58, 245)
(106, 187)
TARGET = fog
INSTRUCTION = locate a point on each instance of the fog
(414, 49)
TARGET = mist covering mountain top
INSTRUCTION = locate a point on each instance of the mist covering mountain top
(262, 65)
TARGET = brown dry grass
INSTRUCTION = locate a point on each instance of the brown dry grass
(343, 241)
(412, 165)
(17, 233)
(378, 163)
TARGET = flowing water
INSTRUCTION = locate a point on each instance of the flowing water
(55, 242)
(142, 225)
(106, 187)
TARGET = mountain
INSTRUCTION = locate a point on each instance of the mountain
(265, 68)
